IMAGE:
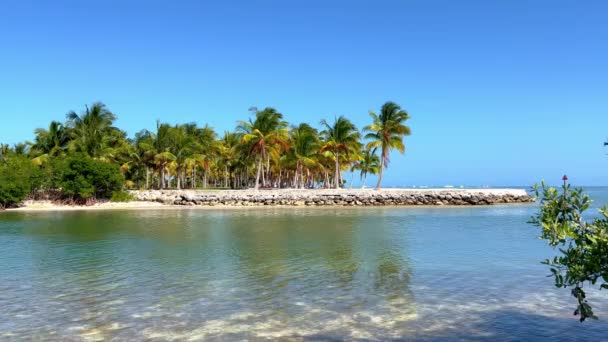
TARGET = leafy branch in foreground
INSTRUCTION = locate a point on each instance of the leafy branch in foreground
(583, 244)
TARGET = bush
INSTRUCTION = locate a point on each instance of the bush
(17, 176)
(121, 196)
(582, 242)
(83, 178)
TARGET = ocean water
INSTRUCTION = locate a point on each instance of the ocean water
(413, 274)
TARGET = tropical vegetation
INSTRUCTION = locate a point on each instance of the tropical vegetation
(87, 157)
(386, 133)
(580, 238)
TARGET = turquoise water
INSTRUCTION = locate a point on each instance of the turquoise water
(422, 274)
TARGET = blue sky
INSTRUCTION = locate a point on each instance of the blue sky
(500, 92)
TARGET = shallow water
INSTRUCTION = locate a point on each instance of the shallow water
(424, 274)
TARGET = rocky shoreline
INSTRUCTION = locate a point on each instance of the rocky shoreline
(341, 197)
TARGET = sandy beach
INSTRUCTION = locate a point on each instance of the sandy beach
(50, 206)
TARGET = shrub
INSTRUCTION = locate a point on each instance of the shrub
(83, 178)
(121, 196)
(582, 242)
(17, 176)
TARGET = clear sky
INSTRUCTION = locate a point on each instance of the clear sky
(500, 92)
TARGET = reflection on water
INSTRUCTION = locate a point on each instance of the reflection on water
(312, 274)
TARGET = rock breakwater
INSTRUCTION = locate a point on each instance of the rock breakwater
(327, 197)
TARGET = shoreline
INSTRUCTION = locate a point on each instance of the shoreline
(44, 205)
(293, 198)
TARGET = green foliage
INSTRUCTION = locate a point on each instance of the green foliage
(265, 136)
(81, 177)
(51, 142)
(369, 163)
(261, 151)
(582, 243)
(387, 132)
(17, 176)
(92, 132)
(341, 139)
(121, 196)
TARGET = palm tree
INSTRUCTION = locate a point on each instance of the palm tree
(91, 129)
(182, 147)
(370, 163)
(162, 154)
(228, 153)
(305, 144)
(387, 132)
(207, 148)
(51, 142)
(142, 154)
(339, 138)
(265, 136)
(21, 149)
(354, 158)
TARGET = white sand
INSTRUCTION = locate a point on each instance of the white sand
(50, 206)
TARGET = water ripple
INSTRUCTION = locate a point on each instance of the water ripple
(338, 274)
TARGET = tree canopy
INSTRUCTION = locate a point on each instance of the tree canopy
(263, 151)
(386, 133)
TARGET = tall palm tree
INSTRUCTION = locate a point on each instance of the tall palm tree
(340, 138)
(387, 132)
(91, 128)
(265, 135)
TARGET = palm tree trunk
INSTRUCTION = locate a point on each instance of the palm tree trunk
(301, 171)
(267, 168)
(257, 177)
(263, 177)
(363, 181)
(179, 179)
(297, 179)
(225, 176)
(380, 175)
(147, 177)
(194, 177)
(352, 178)
(308, 179)
(162, 178)
(169, 179)
(337, 174)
